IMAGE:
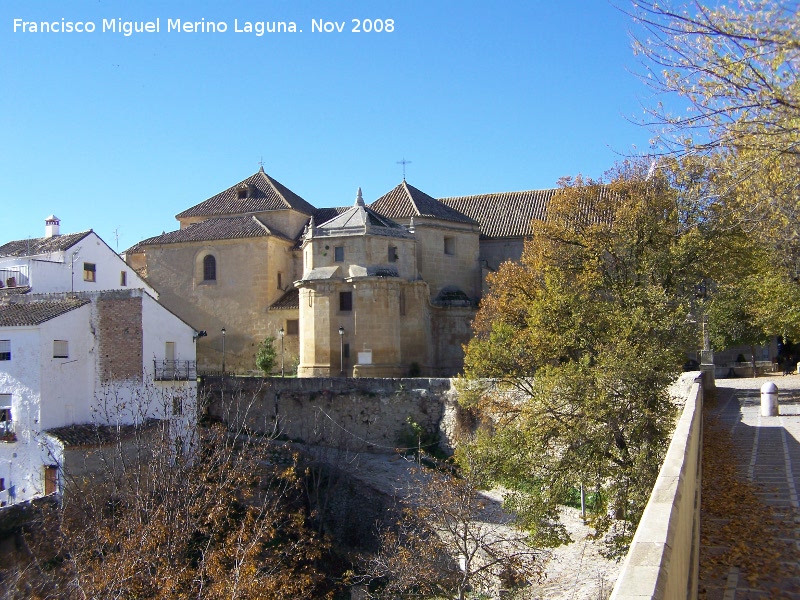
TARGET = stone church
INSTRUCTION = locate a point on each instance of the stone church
(386, 289)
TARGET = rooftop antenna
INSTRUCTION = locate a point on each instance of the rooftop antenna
(404, 162)
(116, 236)
(73, 258)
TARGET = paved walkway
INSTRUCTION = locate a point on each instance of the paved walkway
(766, 454)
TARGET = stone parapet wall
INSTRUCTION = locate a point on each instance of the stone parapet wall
(663, 560)
(364, 414)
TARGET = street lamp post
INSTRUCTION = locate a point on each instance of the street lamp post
(341, 351)
(281, 332)
(223, 351)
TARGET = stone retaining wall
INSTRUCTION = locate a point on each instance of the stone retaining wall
(663, 560)
(355, 414)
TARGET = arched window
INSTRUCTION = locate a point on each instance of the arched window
(209, 268)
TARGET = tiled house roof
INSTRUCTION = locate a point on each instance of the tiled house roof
(260, 193)
(36, 310)
(406, 201)
(507, 214)
(36, 246)
(223, 228)
(97, 435)
(290, 300)
(323, 215)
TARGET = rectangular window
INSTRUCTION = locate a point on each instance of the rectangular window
(346, 350)
(402, 302)
(89, 272)
(280, 280)
(177, 406)
(60, 349)
(392, 253)
(338, 253)
(123, 278)
(5, 349)
(449, 245)
(6, 422)
(345, 301)
(292, 327)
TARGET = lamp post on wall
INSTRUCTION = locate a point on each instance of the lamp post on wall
(341, 351)
(281, 332)
(223, 351)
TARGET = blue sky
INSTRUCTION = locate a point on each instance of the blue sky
(115, 132)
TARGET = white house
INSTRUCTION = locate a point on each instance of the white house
(75, 262)
(74, 362)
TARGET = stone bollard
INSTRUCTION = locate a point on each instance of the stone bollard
(769, 400)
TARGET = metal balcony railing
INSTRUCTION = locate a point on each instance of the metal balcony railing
(175, 370)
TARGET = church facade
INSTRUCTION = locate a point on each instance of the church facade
(386, 289)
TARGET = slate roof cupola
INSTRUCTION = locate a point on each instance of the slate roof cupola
(51, 226)
(359, 219)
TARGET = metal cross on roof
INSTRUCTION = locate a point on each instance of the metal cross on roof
(404, 162)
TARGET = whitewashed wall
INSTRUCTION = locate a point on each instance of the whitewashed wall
(53, 273)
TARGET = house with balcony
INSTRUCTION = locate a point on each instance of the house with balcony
(74, 262)
(76, 364)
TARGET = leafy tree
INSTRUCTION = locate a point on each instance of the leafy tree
(754, 301)
(737, 66)
(209, 518)
(590, 327)
(265, 357)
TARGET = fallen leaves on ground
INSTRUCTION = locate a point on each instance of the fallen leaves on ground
(737, 529)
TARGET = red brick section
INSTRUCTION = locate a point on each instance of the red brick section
(119, 335)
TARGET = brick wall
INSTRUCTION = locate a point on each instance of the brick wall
(119, 337)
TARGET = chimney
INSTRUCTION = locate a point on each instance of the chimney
(51, 224)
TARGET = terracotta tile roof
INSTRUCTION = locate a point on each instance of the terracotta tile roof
(36, 246)
(507, 214)
(290, 300)
(406, 201)
(263, 194)
(323, 215)
(35, 310)
(14, 291)
(96, 435)
(221, 228)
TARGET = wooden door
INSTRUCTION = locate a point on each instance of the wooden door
(50, 479)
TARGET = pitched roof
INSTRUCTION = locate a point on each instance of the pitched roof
(323, 215)
(508, 214)
(263, 193)
(357, 219)
(220, 228)
(405, 201)
(37, 310)
(90, 434)
(43, 245)
(289, 300)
